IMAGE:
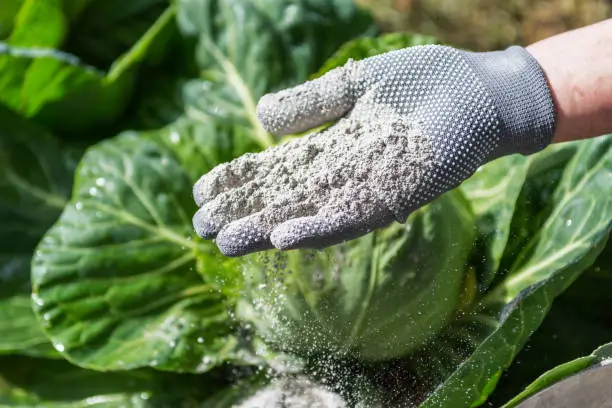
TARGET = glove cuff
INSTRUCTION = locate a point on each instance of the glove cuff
(522, 96)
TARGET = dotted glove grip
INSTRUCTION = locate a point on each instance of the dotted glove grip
(414, 124)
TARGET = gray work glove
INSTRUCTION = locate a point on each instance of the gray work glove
(414, 124)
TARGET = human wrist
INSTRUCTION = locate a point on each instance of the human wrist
(578, 67)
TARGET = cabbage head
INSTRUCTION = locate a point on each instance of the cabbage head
(374, 298)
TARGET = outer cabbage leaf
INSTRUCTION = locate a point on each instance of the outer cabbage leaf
(493, 191)
(26, 382)
(377, 297)
(115, 279)
(592, 292)
(580, 218)
(57, 90)
(8, 10)
(103, 30)
(20, 330)
(534, 203)
(579, 321)
(38, 24)
(98, 32)
(54, 384)
(603, 355)
(250, 47)
(571, 237)
(35, 182)
(163, 104)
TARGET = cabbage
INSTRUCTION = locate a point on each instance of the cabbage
(377, 297)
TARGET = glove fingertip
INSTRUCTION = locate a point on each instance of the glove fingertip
(242, 237)
(268, 114)
(312, 232)
(310, 104)
(211, 184)
(204, 226)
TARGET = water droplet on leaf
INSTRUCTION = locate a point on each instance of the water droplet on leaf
(37, 299)
(175, 137)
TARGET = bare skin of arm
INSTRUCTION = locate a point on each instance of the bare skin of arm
(578, 65)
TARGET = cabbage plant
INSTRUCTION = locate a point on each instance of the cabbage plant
(109, 113)
(376, 298)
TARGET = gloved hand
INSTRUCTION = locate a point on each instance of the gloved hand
(415, 123)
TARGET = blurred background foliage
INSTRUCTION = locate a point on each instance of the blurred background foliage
(483, 25)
